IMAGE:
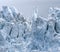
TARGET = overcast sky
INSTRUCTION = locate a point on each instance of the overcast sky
(26, 7)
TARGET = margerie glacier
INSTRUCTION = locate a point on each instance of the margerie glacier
(40, 34)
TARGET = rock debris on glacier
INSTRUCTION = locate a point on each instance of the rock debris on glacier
(17, 34)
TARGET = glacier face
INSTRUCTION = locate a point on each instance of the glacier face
(17, 34)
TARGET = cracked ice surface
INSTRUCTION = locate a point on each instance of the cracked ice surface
(17, 34)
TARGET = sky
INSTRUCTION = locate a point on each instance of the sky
(27, 7)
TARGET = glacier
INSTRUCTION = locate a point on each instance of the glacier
(38, 34)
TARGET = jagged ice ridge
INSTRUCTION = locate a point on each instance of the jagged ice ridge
(18, 34)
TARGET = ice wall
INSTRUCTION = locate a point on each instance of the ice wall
(40, 34)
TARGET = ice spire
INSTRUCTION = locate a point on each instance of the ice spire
(36, 13)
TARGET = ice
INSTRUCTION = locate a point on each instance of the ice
(2, 22)
(55, 13)
(36, 34)
(7, 14)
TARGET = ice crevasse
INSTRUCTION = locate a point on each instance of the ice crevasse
(40, 34)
